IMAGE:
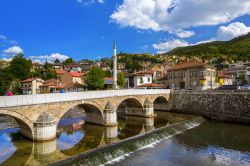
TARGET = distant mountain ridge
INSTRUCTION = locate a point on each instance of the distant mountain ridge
(235, 49)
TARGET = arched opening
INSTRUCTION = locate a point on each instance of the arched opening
(161, 104)
(14, 146)
(127, 105)
(73, 129)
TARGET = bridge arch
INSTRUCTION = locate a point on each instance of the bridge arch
(161, 103)
(92, 110)
(132, 102)
(25, 124)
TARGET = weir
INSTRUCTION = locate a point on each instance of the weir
(104, 155)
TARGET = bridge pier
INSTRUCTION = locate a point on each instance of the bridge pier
(148, 108)
(44, 128)
(109, 115)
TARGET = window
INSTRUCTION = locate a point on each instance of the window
(203, 73)
(193, 74)
(148, 79)
(141, 80)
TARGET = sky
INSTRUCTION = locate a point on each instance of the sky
(86, 29)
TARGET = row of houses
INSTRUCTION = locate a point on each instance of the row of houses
(66, 82)
(192, 75)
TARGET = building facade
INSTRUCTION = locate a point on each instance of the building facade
(192, 75)
(31, 85)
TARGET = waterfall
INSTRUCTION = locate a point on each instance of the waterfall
(117, 151)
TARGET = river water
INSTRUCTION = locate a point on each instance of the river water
(211, 143)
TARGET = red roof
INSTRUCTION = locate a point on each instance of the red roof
(109, 78)
(28, 80)
(151, 85)
(60, 72)
(190, 64)
(76, 74)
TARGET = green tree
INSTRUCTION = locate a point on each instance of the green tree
(95, 79)
(68, 61)
(5, 80)
(20, 67)
(57, 61)
(121, 80)
(108, 73)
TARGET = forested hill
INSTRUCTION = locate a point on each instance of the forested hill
(235, 49)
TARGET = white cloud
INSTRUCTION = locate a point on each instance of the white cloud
(49, 58)
(184, 34)
(169, 15)
(164, 47)
(232, 30)
(12, 51)
(169, 45)
(7, 59)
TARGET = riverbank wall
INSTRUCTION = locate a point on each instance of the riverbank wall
(219, 105)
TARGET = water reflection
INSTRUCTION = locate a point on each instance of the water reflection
(74, 136)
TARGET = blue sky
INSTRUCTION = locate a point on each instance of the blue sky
(49, 29)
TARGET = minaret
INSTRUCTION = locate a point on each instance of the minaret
(115, 68)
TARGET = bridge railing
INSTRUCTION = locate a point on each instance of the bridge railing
(20, 100)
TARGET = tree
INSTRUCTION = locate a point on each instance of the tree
(108, 73)
(20, 67)
(68, 61)
(121, 80)
(95, 78)
(57, 61)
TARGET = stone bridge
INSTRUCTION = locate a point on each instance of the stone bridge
(38, 115)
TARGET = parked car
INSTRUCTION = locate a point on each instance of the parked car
(245, 87)
(228, 87)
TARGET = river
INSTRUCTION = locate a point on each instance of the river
(211, 143)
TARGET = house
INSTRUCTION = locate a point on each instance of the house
(165, 67)
(226, 77)
(72, 77)
(138, 78)
(50, 86)
(31, 85)
(73, 87)
(85, 65)
(73, 68)
(105, 67)
(241, 71)
(248, 75)
(58, 66)
(37, 66)
(108, 83)
(157, 71)
(151, 86)
(193, 75)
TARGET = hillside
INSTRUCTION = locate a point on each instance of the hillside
(235, 49)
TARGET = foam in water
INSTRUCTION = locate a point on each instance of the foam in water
(187, 125)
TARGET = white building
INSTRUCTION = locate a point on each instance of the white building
(31, 85)
(139, 78)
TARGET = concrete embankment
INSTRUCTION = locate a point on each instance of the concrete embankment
(219, 105)
(107, 153)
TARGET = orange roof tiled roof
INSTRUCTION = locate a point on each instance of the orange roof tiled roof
(190, 64)
(76, 74)
(60, 72)
(151, 85)
(28, 80)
